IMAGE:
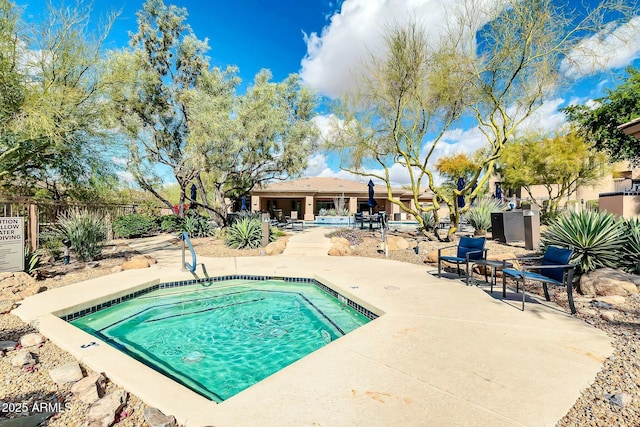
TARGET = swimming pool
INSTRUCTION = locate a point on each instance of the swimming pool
(220, 337)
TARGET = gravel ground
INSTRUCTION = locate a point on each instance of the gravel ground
(612, 400)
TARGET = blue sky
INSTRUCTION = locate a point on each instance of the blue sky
(326, 40)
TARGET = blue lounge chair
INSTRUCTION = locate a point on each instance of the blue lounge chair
(469, 249)
(554, 269)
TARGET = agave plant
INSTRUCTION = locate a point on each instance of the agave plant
(32, 260)
(245, 233)
(631, 253)
(479, 215)
(596, 238)
(428, 219)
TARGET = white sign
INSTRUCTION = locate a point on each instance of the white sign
(11, 244)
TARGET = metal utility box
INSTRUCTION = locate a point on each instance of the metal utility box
(507, 226)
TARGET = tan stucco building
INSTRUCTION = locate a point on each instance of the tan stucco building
(307, 196)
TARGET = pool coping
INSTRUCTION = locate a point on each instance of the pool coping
(426, 360)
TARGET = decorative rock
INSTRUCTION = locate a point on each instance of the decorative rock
(7, 306)
(92, 264)
(432, 257)
(588, 312)
(609, 315)
(90, 388)
(23, 357)
(102, 413)
(117, 269)
(341, 240)
(155, 418)
(135, 263)
(601, 304)
(618, 399)
(31, 340)
(67, 373)
(612, 299)
(396, 243)
(8, 345)
(339, 250)
(275, 248)
(607, 281)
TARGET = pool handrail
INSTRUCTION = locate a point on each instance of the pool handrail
(194, 261)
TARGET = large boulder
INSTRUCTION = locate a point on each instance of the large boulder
(607, 281)
(138, 261)
(275, 248)
(338, 249)
(396, 243)
(432, 257)
(340, 240)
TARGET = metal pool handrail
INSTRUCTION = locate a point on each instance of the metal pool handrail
(194, 263)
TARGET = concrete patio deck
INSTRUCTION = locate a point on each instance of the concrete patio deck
(440, 354)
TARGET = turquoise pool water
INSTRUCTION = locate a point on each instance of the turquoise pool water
(222, 338)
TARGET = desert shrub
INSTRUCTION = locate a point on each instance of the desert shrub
(170, 223)
(479, 215)
(323, 212)
(596, 238)
(197, 225)
(630, 259)
(332, 212)
(245, 233)
(275, 232)
(32, 260)
(133, 225)
(51, 243)
(87, 232)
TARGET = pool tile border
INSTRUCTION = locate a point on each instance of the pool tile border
(89, 310)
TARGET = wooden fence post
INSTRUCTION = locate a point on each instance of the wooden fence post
(32, 231)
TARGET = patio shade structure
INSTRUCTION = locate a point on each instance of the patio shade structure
(461, 198)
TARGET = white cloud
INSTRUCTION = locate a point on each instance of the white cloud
(317, 166)
(614, 48)
(338, 55)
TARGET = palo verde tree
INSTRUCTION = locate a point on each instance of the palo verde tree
(493, 64)
(51, 104)
(149, 85)
(599, 123)
(241, 142)
(180, 115)
(560, 163)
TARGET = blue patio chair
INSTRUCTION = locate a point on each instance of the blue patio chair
(554, 268)
(469, 249)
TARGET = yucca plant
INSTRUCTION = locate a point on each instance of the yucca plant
(87, 232)
(479, 215)
(631, 250)
(245, 233)
(596, 238)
